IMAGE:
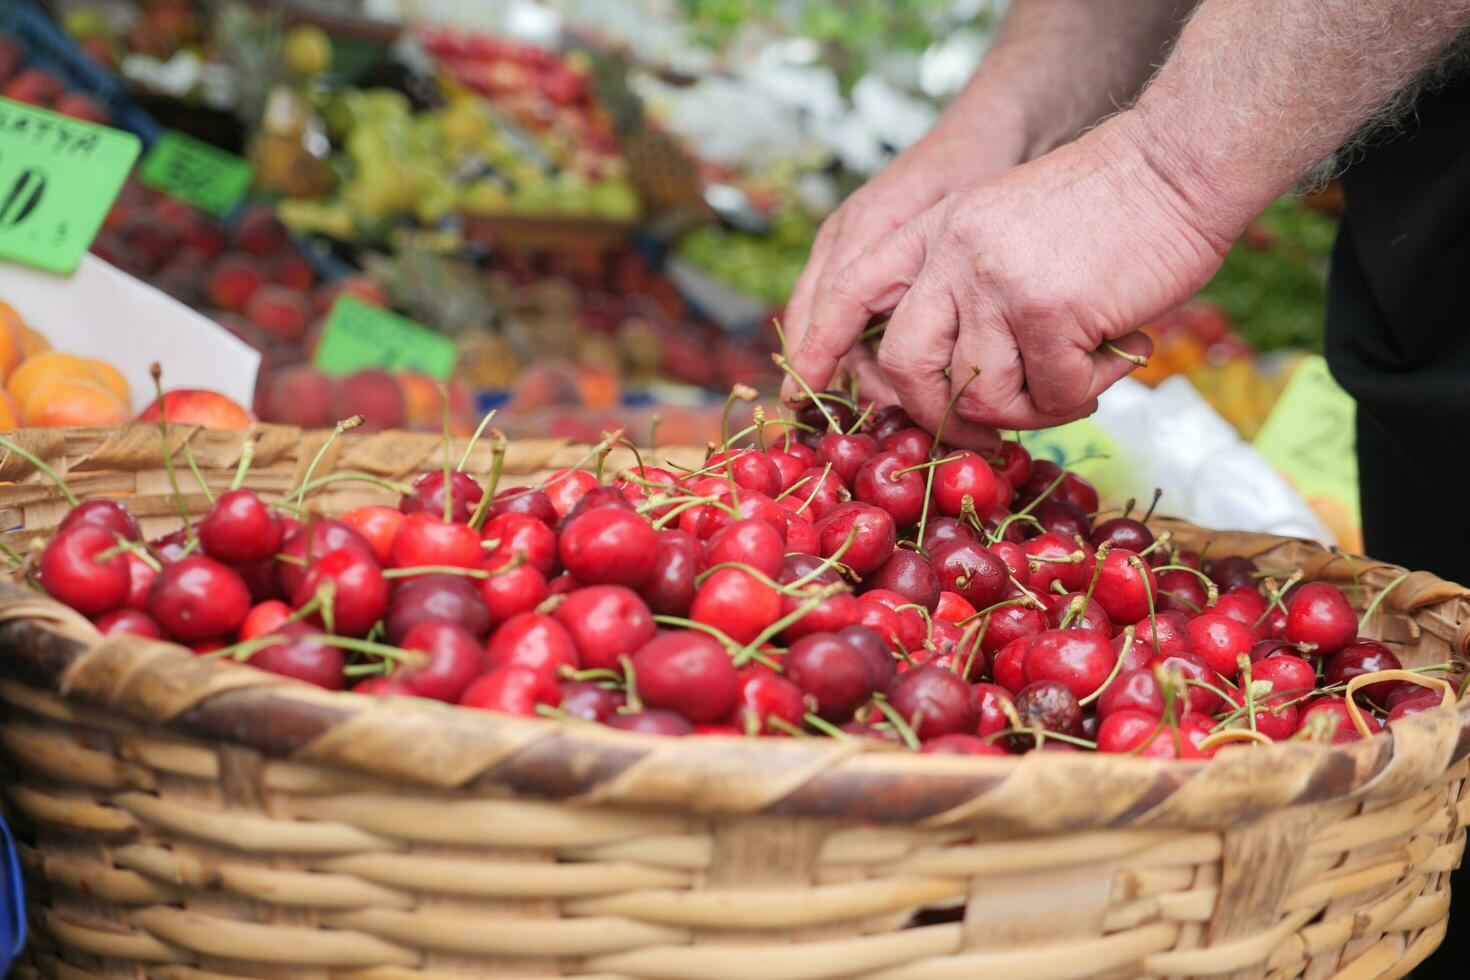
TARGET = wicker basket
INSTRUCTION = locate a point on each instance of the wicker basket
(196, 819)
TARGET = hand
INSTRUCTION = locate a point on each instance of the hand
(945, 160)
(1024, 277)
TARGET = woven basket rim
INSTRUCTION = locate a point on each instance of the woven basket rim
(46, 646)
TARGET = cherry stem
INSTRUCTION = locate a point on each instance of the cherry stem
(123, 546)
(1000, 529)
(1136, 359)
(1378, 600)
(830, 561)
(11, 555)
(474, 439)
(821, 482)
(498, 446)
(1274, 597)
(934, 453)
(632, 701)
(1352, 565)
(899, 723)
(794, 487)
(350, 423)
(731, 646)
(923, 612)
(1212, 591)
(1128, 634)
(476, 573)
(683, 505)
(1159, 542)
(41, 466)
(1243, 662)
(974, 644)
(247, 457)
(924, 466)
(1158, 492)
(1028, 600)
(1182, 601)
(168, 454)
(753, 572)
(857, 426)
(825, 727)
(780, 361)
(194, 468)
(637, 455)
(781, 725)
(739, 392)
(816, 599)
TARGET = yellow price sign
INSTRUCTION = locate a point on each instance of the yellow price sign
(1311, 436)
(1086, 449)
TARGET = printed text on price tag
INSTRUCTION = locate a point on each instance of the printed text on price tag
(359, 335)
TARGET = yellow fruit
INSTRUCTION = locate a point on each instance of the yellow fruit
(308, 50)
(48, 365)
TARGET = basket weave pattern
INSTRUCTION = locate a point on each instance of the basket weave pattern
(194, 819)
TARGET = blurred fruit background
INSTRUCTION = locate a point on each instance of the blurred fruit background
(601, 204)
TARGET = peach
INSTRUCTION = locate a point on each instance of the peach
(280, 312)
(232, 281)
(46, 365)
(375, 395)
(199, 406)
(421, 402)
(34, 86)
(71, 401)
(296, 395)
(259, 231)
(293, 271)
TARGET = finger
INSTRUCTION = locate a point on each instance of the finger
(1110, 367)
(999, 396)
(873, 384)
(871, 284)
(917, 348)
(795, 318)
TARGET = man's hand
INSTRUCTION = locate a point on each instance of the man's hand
(1025, 277)
(920, 177)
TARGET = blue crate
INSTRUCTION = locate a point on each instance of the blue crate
(47, 46)
(12, 902)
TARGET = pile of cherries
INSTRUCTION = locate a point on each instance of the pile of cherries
(855, 579)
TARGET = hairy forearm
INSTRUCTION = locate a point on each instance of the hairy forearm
(1258, 92)
(1058, 66)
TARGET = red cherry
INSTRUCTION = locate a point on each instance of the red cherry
(934, 702)
(1288, 674)
(952, 607)
(801, 535)
(197, 598)
(590, 701)
(789, 467)
(912, 445)
(605, 622)
(1232, 572)
(748, 542)
(874, 651)
(1083, 615)
(1122, 532)
(378, 524)
(879, 482)
(424, 539)
(1336, 708)
(833, 613)
(531, 640)
(1278, 718)
(172, 546)
(322, 536)
(1363, 657)
(1140, 733)
(448, 597)
(1123, 587)
(72, 574)
(140, 580)
(594, 499)
(836, 674)
(359, 591)
(1061, 517)
(749, 468)
(1013, 462)
(885, 623)
(110, 515)
(971, 571)
(565, 487)
(637, 493)
(1221, 641)
(1080, 659)
(1245, 605)
(818, 495)
(1183, 592)
(688, 673)
(1010, 623)
(1008, 666)
(735, 603)
(1162, 635)
(910, 631)
(383, 687)
(1428, 701)
(512, 690)
(958, 744)
(940, 530)
(454, 661)
(992, 700)
(669, 588)
(303, 659)
(1051, 556)
(1194, 668)
(1017, 562)
(1132, 690)
(846, 453)
(513, 591)
(652, 722)
(704, 520)
(130, 622)
(429, 493)
(609, 546)
(514, 534)
(525, 500)
(764, 695)
(887, 420)
(874, 536)
(970, 477)
(264, 617)
(909, 574)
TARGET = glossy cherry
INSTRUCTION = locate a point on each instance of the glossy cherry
(512, 690)
(992, 702)
(1012, 461)
(464, 493)
(1080, 659)
(310, 541)
(447, 597)
(302, 658)
(1140, 733)
(940, 530)
(72, 573)
(590, 701)
(423, 539)
(264, 617)
(909, 574)
(197, 598)
(736, 603)
(1132, 690)
(605, 622)
(378, 524)
(524, 500)
(109, 515)
(764, 695)
(609, 546)
(834, 673)
(971, 571)
(565, 487)
(822, 491)
(934, 702)
(879, 482)
(1074, 609)
(1320, 615)
(1363, 657)
(688, 673)
(1287, 673)
(874, 535)
(669, 587)
(1183, 592)
(1061, 517)
(1222, 641)
(874, 650)
(653, 721)
(532, 640)
(1245, 605)
(749, 468)
(747, 542)
(1124, 586)
(455, 659)
(511, 591)
(129, 622)
(1232, 572)
(846, 453)
(513, 535)
(912, 445)
(968, 477)
(1196, 672)
(359, 593)
(1122, 532)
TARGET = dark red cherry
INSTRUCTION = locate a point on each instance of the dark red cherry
(429, 492)
(934, 702)
(688, 673)
(454, 660)
(110, 515)
(453, 598)
(197, 598)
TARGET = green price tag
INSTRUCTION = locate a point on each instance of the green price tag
(196, 172)
(1086, 449)
(58, 178)
(359, 335)
(1311, 436)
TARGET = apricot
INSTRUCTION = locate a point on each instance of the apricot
(70, 401)
(373, 394)
(48, 364)
(9, 414)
